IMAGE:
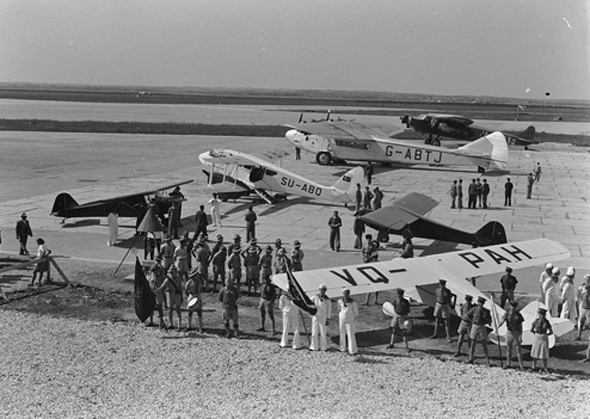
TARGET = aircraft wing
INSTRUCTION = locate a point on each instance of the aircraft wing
(351, 130)
(401, 211)
(450, 119)
(409, 274)
(231, 157)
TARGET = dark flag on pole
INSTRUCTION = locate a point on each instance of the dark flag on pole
(145, 301)
(299, 297)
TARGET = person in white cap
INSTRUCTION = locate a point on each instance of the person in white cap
(545, 275)
(568, 295)
(113, 222)
(320, 320)
(551, 291)
(583, 304)
(215, 209)
(347, 313)
(290, 320)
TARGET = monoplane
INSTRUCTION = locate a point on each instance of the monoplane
(419, 277)
(248, 173)
(489, 153)
(132, 205)
(407, 214)
(460, 128)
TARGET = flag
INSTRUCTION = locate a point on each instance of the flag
(299, 297)
(521, 108)
(145, 301)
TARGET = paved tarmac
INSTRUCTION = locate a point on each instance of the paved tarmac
(35, 167)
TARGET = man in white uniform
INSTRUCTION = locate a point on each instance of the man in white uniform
(552, 293)
(215, 208)
(113, 220)
(290, 319)
(347, 314)
(545, 275)
(320, 320)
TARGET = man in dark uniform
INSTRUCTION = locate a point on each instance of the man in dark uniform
(465, 325)
(480, 317)
(485, 191)
(514, 321)
(472, 192)
(530, 181)
(369, 173)
(335, 222)
(442, 309)
(201, 221)
(23, 232)
(378, 198)
(358, 197)
(479, 192)
(453, 194)
(508, 283)
(400, 324)
(460, 194)
(250, 223)
(508, 186)
(228, 296)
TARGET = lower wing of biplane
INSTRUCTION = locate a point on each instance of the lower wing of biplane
(418, 276)
(407, 213)
(252, 173)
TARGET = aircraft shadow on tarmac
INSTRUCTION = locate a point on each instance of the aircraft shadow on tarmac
(81, 223)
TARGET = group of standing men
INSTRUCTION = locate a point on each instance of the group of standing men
(477, 192)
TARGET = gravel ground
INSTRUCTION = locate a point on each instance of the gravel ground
(65, 368)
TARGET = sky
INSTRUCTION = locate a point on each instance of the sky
(510, 48)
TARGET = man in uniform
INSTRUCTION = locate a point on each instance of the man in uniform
(583, 303)
(514, 321)
(400, 324)
(297, 256)
(465, 325)
(480, 317)
(358, 198)
(203, 258)
(358, 227)
(508, 283)
(508, 186)
(552, 292)
(472, 192)
(442, 308)
(156, 277)
(460, 194)
(173, 220)
(201, 221)
(215, 210)
(251, 259)
(335, 222)
(265, 263)
(320, 320)
(250, 218)
(228, 296)
(234, 265)
(545, 275)
(453, 194)
(479, 192)
(167, 252)
(530, 181)
(268, 295)
(485, 191)
(378, 198)
(367, 198)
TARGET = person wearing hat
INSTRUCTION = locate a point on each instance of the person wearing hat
(203, 257)
(173, 219)
(552, 292)
(320, 320)
(541, 329)
(400, 324)
(367, 198)
(568, 295)
(173, 287)
(370, 254)
(442, 308)
(215, 209)
(378, 198)
(217, 246)
(545, 275)
(167, 252)
(189, 243)
(156, 277)
(42, 265)
(358, 228)
(218, 262)
(234, 266)
(251, 260)
(347, 313)
(250, 218)
(480, 317)
(228, 296)
(113, 222)
(193, 290)
(268, 295)
(530, 181)
(180, 260)
(508, 187)
(583, 304)
(290, 320)
(281, 263)
(465, 325)
(278, 246)
(358, 198)
(335, 222)
(201, 221)
(508, 283)
(514, 320)
(236, 242)
(297, 256)
(265, 263)
(23, 232)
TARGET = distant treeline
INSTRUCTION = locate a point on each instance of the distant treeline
(142, 128)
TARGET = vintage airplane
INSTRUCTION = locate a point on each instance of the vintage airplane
(407, 214)
(419, 276)
(461, 128)
(133, 205)
(254, 174)
(488, 153)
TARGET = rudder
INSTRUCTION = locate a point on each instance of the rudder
(63, 202)
(491, 233)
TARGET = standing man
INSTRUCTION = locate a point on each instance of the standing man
(378, 198)
(537, 172)
(203, 257)
(480, 317)
(583, 301)
(179, 197)
(23, 232)
(453, 194)
(514, 321)
(472, 192)
(218, 262)
(530, 181)
(193, 290)
(479, 192)
(234, 265)
(250, 218)
(268, 295)
(281, 263)
(265, 263)
(400, 324)
(485, 191)
(358, 197)
(167, 252)
(369, 173)
(545, 275)
(215, 209)
(290, 318)
(228, 296)
(297, 256)
(113, 222)
(320, 320)
(347, 313)
(370, 253)
(460, 194)
(173, 220)
(508, 283)
(251, 259)
(358, 227)
(552, 292)
(442, 308)
(201, 221)
(465, 325)
(568, 297)
(297, 153)
(508, 186)
(367, 198)
(335, 223)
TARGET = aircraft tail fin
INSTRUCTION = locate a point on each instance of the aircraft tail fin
(491, 233)
(346, 185)
(492, 147)
(63, 202)
(528, 134)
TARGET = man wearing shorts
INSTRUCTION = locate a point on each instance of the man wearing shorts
(480, 316)
(442, 308)
(465, 325)
(514, 321)
(228, 296)
(400, 324)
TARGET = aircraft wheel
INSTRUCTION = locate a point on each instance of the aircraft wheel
(480, 169)
(428, 141)
(435, 143)
(323, 158)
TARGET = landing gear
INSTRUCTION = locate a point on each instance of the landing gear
(432, 141)
(323, 158)
(480, 169)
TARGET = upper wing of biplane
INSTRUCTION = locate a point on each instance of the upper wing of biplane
(351, 130)
(65, 206)
(448, 119)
